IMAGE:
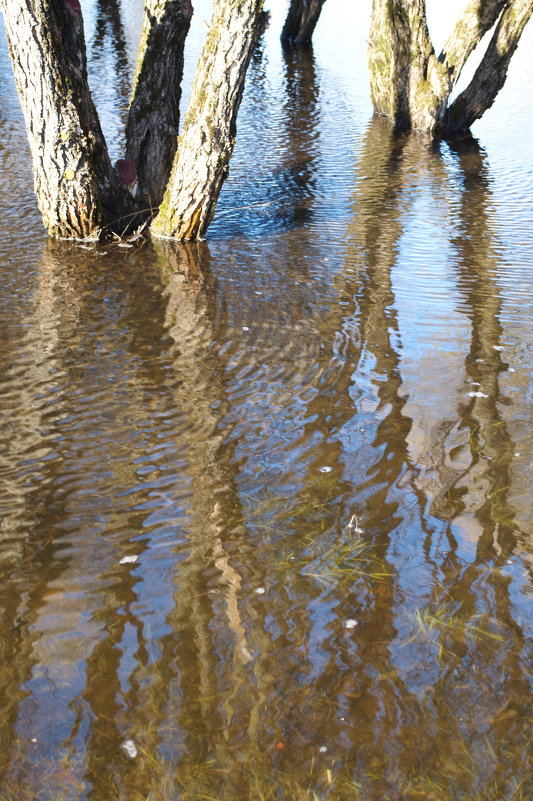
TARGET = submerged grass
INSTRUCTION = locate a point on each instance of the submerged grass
(446, 620)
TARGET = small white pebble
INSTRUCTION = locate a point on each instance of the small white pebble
(518, 454)
(326, 469)
(33, 740)
(245, 328)
(350, 624)
(342, 718)
(477, 395)
(128, 560)
(260, 591)
(129, 748)
(323, 749)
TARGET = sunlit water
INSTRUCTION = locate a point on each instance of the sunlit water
(266, 501)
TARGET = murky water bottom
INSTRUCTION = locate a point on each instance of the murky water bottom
(265, 509)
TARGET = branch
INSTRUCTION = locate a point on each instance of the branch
(208, 136)
(478, 18)
(153, 119)
(491, 74)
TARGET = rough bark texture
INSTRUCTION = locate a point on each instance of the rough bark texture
(206, 143)
(490, 76)
(412, 86)
(77, 189)
(153, 120)
(301, 21)
(399, 56)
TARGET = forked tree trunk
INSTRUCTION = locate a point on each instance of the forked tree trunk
(301, 21)
(490, 76)
(411, 85)
(78, 191)
(206, 143)
(153, 120)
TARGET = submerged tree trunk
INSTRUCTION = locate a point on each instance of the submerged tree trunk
(78, 191)
(398, 58)
(206, 143)
(153, 120)
(411, 85)
(301, 21)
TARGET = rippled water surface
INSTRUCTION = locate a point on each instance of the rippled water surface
(265, 508)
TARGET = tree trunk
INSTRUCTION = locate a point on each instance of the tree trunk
(490, 76)
(78, 191)
(399, 56)
(412, 86)
(153, 121)
(301, 21)
(206, 143)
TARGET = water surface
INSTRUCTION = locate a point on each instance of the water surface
(265, 500)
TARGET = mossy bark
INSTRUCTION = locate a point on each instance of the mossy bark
(301, 21)
(153, 119)
(411, 85)
(77, 190)
(206, 142)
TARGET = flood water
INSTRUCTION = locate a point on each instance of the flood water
(266, 509)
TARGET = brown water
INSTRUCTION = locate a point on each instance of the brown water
(266, 500)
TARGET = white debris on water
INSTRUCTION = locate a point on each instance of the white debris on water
(128, 560)
(478, 395)
(245, 328)
(129, 748)
(260, 591)
(353, 525)
(323, 749)
(326, 469)
(350, 623)
(498, 347)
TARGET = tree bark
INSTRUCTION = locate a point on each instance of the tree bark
(77, 190)
(206, 143)
(399, 57)
(301, 21)
(412, 86)
(153, 120)
(476, 20)
(490, 76)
